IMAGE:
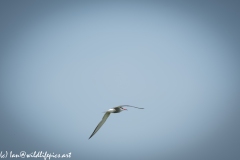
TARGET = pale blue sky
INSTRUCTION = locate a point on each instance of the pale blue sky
(64, 63)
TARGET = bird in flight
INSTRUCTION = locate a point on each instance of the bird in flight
(108, 112)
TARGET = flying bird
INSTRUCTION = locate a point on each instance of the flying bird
(108, 112)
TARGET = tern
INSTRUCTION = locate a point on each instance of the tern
(107, 113)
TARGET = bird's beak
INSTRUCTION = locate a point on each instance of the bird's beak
(124, 109)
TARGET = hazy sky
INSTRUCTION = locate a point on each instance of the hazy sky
(63, 63)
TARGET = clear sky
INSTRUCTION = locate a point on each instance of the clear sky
(63, 63)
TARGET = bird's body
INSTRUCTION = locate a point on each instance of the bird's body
(107, 114)
(116, 110)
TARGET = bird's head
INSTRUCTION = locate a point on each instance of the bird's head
(122, 109)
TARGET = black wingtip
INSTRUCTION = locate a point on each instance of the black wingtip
(92, 135)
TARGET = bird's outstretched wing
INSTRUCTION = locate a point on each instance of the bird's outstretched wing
(100, 123)
(130, 106)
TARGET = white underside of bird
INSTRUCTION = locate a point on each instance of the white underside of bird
(117, 109)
